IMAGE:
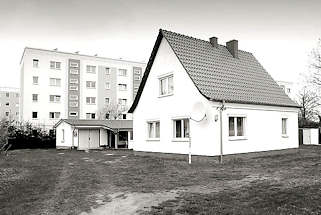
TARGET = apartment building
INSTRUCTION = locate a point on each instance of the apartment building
(57, 85)
(9, 103)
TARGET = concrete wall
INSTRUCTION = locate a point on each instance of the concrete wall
(263, 123)
(13, 100)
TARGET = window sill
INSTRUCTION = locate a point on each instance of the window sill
(180, 140)
(237, 138)
(153, 139)
(90, 104)
(285, 136)
(161, 96)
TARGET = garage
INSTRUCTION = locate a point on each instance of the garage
(88, 139)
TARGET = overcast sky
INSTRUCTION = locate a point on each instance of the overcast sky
(279, 33)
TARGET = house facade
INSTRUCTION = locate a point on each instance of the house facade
(185, 71)
(9, 103)
(60, 85)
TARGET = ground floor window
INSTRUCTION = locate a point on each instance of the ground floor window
(90, 115)
(284, 126)
(236, 126)
(181, 128)
(153, 129)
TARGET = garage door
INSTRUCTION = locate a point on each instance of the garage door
(88, 138)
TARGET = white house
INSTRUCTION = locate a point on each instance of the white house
(93, 134)
(183, 72)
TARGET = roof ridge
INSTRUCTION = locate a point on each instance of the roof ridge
(194, 38)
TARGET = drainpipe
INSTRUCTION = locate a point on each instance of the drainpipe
(221, 108)
(72, 139)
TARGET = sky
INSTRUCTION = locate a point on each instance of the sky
(280, 33)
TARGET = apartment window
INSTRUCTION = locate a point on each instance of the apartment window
(34, 115)
(288, 90)
(122, 87)
(90, 100)
(91, 84)
(122, 102)
(153, 130)
(107, 86)
(73, 81)
(7, 113)
(17, 95)
(35, 97)
(90, 115)
(54, 98)
(73, 104)
(181, 128)
(91, 69)
(284, 126)
(124, 116)
(35, 80)
(74, 64)
(7, 104)
(137, 71)
(73, 97)
(74, 71)
(73, 87)
(236, 126)
(137, 78)
(17, 113)
(73, 113)
(107, 71)
(107, 116)
(166, 86)
(35, 63)
(54, 115)
(63, 135)
(7, 95)
(55, 82)
(131, 134)
(122, 72)
(55, 65)
(107, 101)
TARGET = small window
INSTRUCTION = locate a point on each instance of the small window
(35, 63)
(55, 65)
(90, 115)
(107, 101)
(73, 113)
(90, 100)
(153, 130)
(284, 126)
(35, 80)
(54, 115)
(91, 84)
(107, 116)
(122, 72)
(55, 82)
(73, 81)
(74, 71)
(122, 87)
(7, 104)
(107, 71)
(181, 128)
(137, 78)
(137, 70)
(73, 97)
(74, 64)
(63, 135)
(7, 113)
(236, 126)
(124, 116)
(122, 102)
(166, 86)
(54, 98)
(7, 95)
(289, 90)
(107, 86)
(131, 134)
(73, 104)
(35, 97)
(17, 95)
(91, 69)
(34, 115)
(73, 87)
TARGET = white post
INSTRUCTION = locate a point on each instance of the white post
(190, 149)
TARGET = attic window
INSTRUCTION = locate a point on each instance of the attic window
(166, 86)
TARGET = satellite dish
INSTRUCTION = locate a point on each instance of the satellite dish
(198, 112)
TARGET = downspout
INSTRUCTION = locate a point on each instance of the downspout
(73, 137)
(221, 109)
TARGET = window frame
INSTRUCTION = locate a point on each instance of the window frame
(91, 69)
(122, 74)
(165, 78)
(91, 116)
(34, 64)
(244, 124)
(91, 98)
(183, 138)
(285, 135)
(107, 70)
(154, 132)
(55, 65)
(32, 115)
(56, 80)
(55, 100)
(91, 84)
(71, 113)
(34, 95)
(55, 117)
(122, 87)
(35, 78)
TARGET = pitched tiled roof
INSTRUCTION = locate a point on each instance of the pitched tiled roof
(112, 124)
(219, 76)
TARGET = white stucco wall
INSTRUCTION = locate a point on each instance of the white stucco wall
(263, 124)
(67, 142)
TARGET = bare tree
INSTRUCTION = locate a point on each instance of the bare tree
(316, 65)
(309, 101)
(111, 112)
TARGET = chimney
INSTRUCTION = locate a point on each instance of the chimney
(213, 41)
(232, 46)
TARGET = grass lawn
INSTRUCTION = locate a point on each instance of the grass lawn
(73, 182)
